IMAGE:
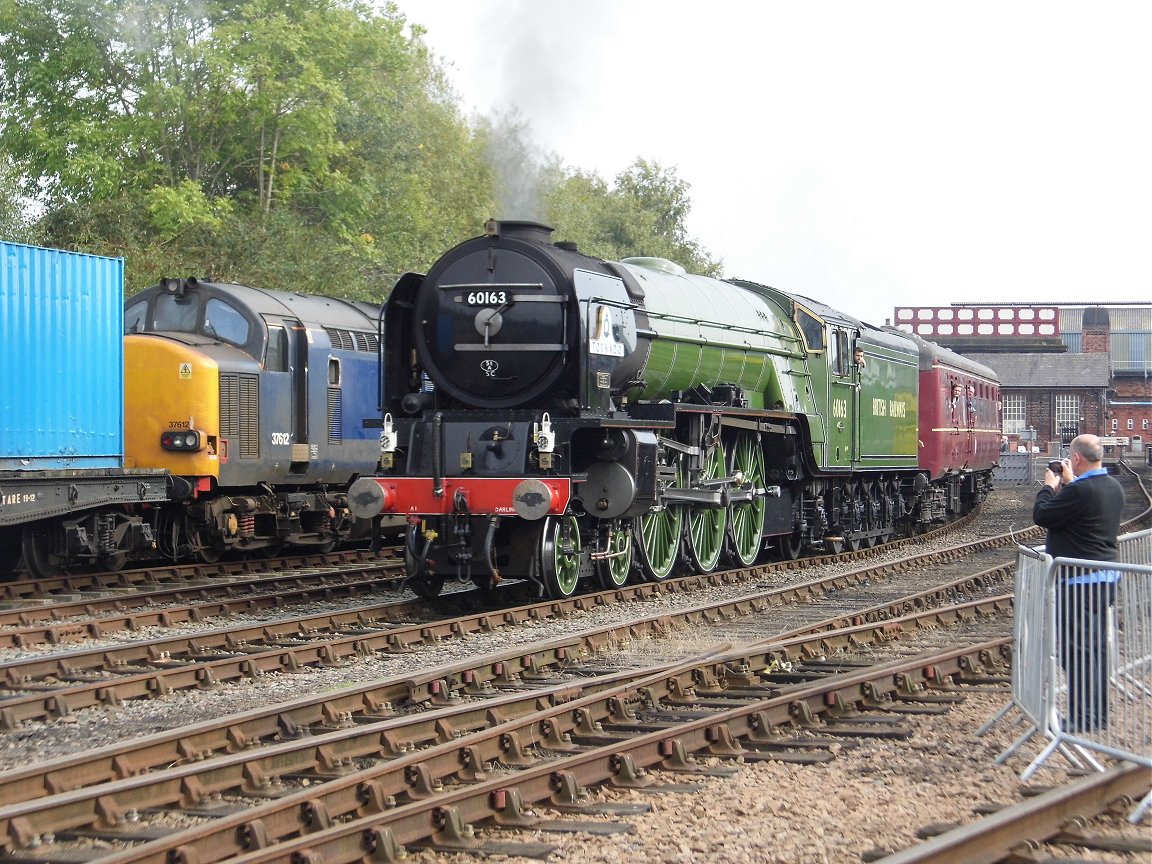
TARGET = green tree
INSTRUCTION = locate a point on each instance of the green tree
(14, 222)
(642, 214)
(227, 131)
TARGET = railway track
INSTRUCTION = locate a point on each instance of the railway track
(562, 724)
(119, 583)
(52, 684)
(1056, 817)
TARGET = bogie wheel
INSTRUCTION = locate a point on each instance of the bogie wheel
(746, 518)
(789, 546)
(612, 572)
(707, 525)
(657, 539)
(560, 554)
(115, 562)
(426, 586)
(42, 546)
(888, 502)
(209, 549)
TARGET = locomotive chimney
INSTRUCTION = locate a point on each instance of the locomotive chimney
(533, 232)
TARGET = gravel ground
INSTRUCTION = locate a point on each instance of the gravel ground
(870, 798)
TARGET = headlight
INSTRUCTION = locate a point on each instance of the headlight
(183, 441)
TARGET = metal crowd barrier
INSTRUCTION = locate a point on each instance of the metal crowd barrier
(1082, 664)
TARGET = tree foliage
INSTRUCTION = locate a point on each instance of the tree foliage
(14, 224)
(210, 130)
(311, 145)
(642, 214)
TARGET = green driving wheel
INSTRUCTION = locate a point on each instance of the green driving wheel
(707, 525)
(560, 556)
(746, 518)
(612, 572)
(657, 538)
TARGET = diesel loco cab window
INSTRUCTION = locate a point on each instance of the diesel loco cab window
(224, 322)
(177, 314)
(134, 317)
(276, 359)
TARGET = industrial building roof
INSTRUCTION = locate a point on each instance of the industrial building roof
(1047, 370)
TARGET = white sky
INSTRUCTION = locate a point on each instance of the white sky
(870, 155)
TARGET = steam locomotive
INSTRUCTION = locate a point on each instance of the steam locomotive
(550, 416)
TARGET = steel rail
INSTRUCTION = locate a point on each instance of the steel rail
(27, 627)
(1030, 823)
(39, 589)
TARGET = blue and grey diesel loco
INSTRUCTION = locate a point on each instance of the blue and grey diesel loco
(66, 495)
(551, 416)
(255, 399)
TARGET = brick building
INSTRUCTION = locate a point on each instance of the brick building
(1064, 370)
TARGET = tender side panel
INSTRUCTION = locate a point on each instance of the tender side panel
(888, 406)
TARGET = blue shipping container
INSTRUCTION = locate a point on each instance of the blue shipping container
(61, 359)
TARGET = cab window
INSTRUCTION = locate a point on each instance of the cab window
(840, 353)
(811, 328)
(177, 314)
(134, 317)
(222, 321)
(276, 358)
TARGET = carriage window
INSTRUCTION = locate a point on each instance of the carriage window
(276, 358)
(222, 321)
(134, 317)
(177, 314)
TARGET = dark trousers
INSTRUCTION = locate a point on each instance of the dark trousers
(1082, 614)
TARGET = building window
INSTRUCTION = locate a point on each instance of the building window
(1067, 416)
(1144, 424)
(1115, 424)
(1014, 414)
(1131, 425)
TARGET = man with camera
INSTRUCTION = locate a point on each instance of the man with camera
(1081, 504)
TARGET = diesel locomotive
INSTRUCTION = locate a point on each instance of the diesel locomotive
(254, 399)
(550, 416)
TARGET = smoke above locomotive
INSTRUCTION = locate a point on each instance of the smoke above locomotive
(553, 416)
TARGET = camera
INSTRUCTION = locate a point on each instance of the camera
(1056, 467)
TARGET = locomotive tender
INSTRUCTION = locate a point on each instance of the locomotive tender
(551, 416)
(66, 495)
